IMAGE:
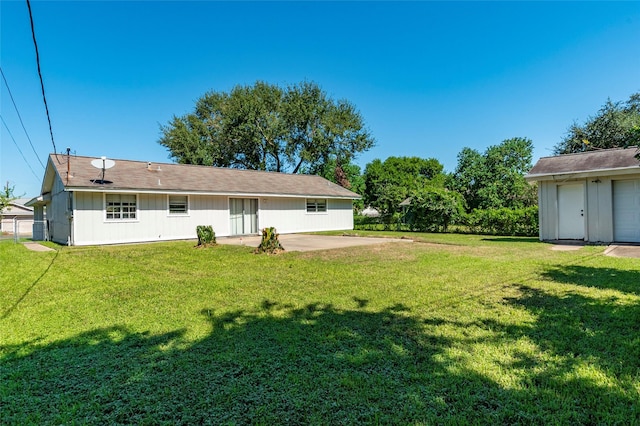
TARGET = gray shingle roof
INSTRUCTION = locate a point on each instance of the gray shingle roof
(167, 177)
(20, 201)
(600, 161)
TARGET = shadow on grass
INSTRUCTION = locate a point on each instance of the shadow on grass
(602, 278)
(282, 365)
(579, 328)
(28, 290)
(588, 341)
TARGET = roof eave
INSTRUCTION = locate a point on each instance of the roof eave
(40, 200)
(213, 193)
(562, 176)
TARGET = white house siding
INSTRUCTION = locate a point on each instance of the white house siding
(597, 209)
(548, 210)
(153, 221)
(600, 210)
(289, 215)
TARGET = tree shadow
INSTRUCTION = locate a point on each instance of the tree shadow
(627, 281)
(30, 288)
(585, 339)
(576, 326)
(281, 364)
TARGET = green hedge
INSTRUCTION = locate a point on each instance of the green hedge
(380, 223)
(504, 221)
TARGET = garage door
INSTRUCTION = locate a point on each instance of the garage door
(626, 211)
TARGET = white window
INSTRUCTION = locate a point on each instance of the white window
(178, 204)
(316, 205)
(120, 206)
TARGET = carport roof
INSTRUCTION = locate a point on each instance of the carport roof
(600, 162)
(77, 174)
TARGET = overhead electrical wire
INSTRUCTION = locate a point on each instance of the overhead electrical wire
(44, 97)
(19, 117)
(17, 146)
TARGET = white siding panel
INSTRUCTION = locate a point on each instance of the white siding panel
(598, 209)
(548, 210)
(598, 212)
(88, 216)
(289, 215)
(153, 221)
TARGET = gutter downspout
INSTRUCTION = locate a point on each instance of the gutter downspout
(70, 201)
(70, 214)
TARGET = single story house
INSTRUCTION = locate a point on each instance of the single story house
(136, 201)
(592, 196)
(17, 214)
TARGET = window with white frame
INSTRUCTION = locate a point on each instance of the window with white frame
(316, 205)
(178, 204)
(120, 206)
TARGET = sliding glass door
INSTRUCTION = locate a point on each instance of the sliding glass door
(244, 216)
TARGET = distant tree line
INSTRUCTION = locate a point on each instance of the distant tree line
(300, 129)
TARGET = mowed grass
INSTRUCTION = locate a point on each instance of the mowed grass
(452, 329)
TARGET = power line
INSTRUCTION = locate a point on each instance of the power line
(19, 117)
(19, 150)
(44, 97)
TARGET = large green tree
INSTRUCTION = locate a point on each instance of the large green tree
(389, 182)
(265, 127)
(347, 175)
(495, 178)
(615, 125)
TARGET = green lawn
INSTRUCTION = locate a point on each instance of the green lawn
(453, 329)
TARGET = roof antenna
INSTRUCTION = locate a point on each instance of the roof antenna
(102, 163)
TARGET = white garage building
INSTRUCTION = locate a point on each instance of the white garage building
(592, 196)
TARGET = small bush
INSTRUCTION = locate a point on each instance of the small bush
(270, 242)
(206, 236)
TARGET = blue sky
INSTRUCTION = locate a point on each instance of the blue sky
(428, 77)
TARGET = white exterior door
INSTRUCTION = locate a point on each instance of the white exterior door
(626, 211)
(244, 216)
(571, 212)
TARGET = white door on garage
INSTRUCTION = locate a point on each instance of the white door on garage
(571, 212)
(626, 211)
